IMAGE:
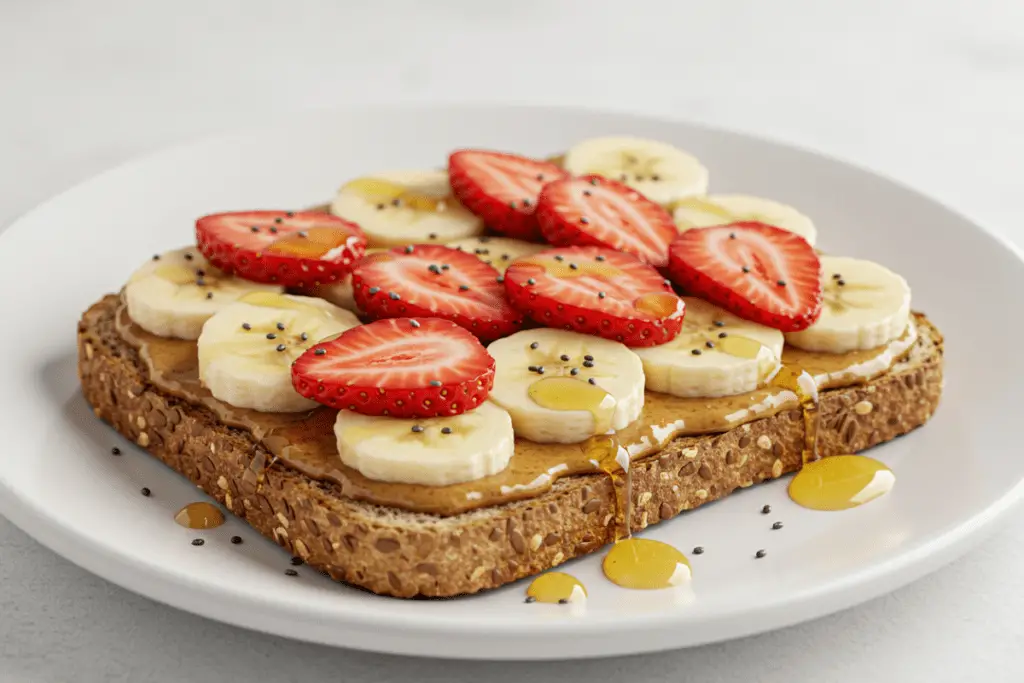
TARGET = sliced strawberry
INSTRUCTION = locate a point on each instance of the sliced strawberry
(294, 249)
(403, 367)
(435, 282)
(502, 188)
(759, 272)
(596, 291)
(595, 211)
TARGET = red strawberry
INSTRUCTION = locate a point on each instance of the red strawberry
(501, 188)
(294, 249)
(595, 211)
(596, 291)
(435, 282)
(403, 367)
(759, 272)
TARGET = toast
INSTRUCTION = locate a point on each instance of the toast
(404, 554)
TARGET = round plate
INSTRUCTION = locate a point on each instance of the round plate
(60, 483)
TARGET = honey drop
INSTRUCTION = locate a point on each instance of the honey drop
(645, 564)
(556, 587)
(568, 393)
(840, 482)
(313, 243)
(741, 347)
(660, 305)
(200, 515)
(386, 192)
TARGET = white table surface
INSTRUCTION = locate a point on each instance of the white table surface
(927, 91)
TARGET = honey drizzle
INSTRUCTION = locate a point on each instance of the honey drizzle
(556, 587)
(306, 442)
(646, 564)
(200, 515)
(603, 449)
(839, 482)
(315, 242)
(385, 191)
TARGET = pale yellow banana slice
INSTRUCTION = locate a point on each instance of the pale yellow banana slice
(497, 252)
(719, 209)
(865, 305)
(246, 349)
(434, 452)
(659, 171)
(405, 207)
(173, 294)
(715, 354)
(564, 387)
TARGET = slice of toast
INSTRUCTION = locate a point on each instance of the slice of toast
(404, 554)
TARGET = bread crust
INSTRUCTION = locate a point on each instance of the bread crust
(403, 554)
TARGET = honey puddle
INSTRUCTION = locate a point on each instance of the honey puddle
(839, 482)
(306, 442)
(645, 564)
(556, 587)
(200, 516)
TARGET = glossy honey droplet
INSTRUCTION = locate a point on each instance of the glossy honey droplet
(199, 516)
(569, 393)
(314, 243)
(840, 482)
(387, 192)
(645, 564)
(180, 275)
(570, 269)
(556, 587)
(741, 347)
(660, 305)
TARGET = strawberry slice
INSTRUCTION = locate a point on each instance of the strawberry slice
(294, 249)
(595, 211)
(759, 272)
(502, 188)
(432, 281)
(402, 367)
(596, 291)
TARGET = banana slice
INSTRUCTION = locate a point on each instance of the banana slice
(564, 387)
(718, 209)
(659, 171)
(246, 350)
(405, 207)
(497, 252)
(176, 292)
(340, 293)
(434, 452)
(865, 306)
(716, 354)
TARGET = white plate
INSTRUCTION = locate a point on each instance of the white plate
(60, 483)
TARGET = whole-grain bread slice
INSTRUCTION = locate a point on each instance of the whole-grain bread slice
(404, 554)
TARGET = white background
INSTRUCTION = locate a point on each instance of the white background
(930, 92)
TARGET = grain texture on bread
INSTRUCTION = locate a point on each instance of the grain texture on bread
(405, 554)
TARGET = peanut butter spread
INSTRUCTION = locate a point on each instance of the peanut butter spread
(306, 441)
